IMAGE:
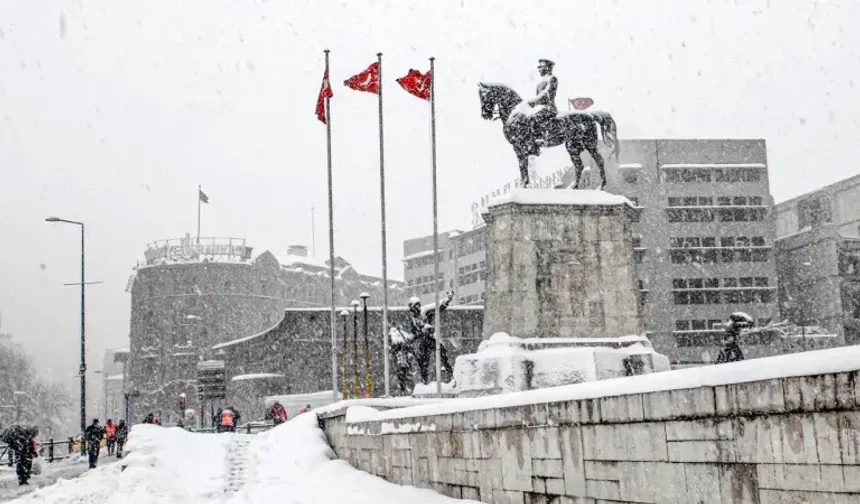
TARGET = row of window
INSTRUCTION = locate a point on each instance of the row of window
(708, 201)
(420, 262)
(676, 175)
(709, 325)
(711, 241)
(752, 214)
(472, 267)
(714, 283)
(424, 279)
(471, 298)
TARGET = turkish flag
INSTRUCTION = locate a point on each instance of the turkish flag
(367, 80)
(581, 103)
(325, 92)
(416, 84)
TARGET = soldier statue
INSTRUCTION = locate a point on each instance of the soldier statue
(544, 101)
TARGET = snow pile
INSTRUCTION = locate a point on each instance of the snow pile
(507, 364)
(291, 463)
(555, 197)
(359, 413)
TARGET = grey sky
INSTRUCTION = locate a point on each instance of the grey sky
(112, 112)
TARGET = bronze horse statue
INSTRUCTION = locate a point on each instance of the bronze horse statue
(576, 130)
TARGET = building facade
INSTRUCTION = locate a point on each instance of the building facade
(187, 297)
(836, 204)
(702, 244)
(818, 260)
(294, 357)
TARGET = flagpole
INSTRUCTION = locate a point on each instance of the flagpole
(313, 234)
(435, 229)
(331, 238)
(385, 348)
(199, 192)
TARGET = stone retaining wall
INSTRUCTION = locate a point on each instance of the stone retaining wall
(784, 440)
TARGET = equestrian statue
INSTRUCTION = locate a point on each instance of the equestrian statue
(535, 124)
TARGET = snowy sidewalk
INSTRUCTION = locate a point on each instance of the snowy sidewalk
(51, 473)
(291, 463)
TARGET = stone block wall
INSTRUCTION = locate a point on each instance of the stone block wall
(786, 440)
(562, 269)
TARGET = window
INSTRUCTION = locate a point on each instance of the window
(630, 176)
(814, 212)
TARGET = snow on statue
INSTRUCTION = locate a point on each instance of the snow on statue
(532, 125)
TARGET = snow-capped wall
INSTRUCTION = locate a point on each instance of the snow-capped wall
(507, 364)
(771, 430)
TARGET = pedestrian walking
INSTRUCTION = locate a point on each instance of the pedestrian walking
(94, 435)
(121, 436)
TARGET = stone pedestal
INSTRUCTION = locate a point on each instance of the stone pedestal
(560, 265)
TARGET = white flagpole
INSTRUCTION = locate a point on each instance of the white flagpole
(436, 322)
(385, 350)
(331, 237)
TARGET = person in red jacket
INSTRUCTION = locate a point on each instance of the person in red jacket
(277, 413)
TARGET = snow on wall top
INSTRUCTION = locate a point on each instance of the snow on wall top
(835, 360)
(557, 197)
(257, 376)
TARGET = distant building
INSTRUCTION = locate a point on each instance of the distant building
(294, 357)
(189, 296)
(818, 259)
(837, 204)
(703, 243)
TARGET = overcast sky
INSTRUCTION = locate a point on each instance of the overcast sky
(112, 112)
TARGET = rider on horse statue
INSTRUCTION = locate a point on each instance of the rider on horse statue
(544, 102)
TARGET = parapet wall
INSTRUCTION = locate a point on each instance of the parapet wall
(696, 437)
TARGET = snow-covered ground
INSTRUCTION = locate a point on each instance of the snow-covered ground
(51, 473)
(291, 463)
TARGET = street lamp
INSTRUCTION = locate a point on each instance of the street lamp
(83, 369)
(802, 314)
(355, 391)
(104, 388)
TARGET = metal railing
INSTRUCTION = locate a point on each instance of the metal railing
(50, 450)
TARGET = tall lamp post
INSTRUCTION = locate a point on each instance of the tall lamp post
(368, 385)
(83, 368)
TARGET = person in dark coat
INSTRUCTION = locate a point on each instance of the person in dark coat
(121, 436)
(94, 434)
(20, 439)
(731, 351)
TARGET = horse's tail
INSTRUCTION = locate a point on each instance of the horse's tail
(609, 132)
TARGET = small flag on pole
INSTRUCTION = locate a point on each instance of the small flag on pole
(367, 81)
(416, 84)
(203, 197)
(325, 92)
(581, 103)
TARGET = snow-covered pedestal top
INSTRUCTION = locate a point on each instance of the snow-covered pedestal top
(523, 196)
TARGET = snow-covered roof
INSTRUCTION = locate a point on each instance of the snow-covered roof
(418, 255)
(292, 261)
(557, 197)
(630, 165)
(257, 376)
(246, 338)
(114, 377)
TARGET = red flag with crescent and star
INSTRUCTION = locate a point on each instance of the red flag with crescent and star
(416, 84)
(325, 92)
(581, 103)
(367, 81)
